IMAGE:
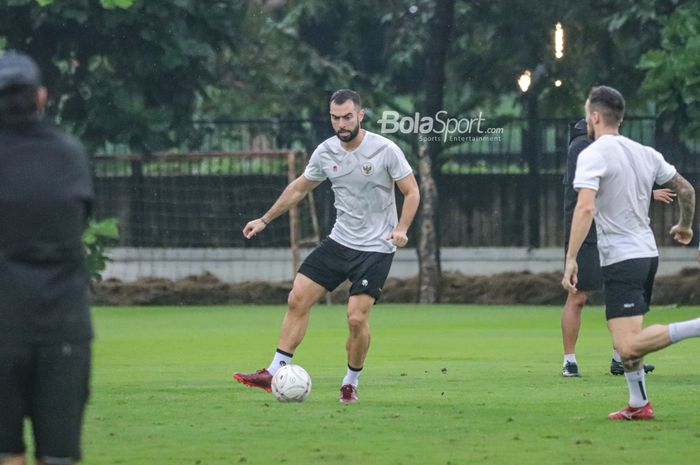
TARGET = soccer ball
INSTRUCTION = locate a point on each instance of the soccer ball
(291, 383)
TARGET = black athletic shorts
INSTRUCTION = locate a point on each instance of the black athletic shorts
(331, 263)
(49, 384)
(590, 276)
(628, 286)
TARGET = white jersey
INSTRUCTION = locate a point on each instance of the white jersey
(623, 173)
(363, 185)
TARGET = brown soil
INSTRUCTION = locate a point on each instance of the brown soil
(505, 289)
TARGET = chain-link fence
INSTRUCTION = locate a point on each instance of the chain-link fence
(504, 190)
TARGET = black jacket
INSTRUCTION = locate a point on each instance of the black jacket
(45, 196)
(578, 140)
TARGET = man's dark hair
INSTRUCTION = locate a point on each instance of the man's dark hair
(18, 105)
(608, 102)
(343, 95)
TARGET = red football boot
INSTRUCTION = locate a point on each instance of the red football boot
(261, 379)
(348, 394)
(631, 413)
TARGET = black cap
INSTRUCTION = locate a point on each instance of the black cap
(18, 69)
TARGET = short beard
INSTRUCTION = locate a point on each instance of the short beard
(349, 137)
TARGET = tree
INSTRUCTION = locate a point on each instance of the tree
(429, 274)
(124, 71)
(673, 72)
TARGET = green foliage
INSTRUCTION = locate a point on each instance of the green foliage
(112, 4)
(134, 73)
(97, 237)
(278, 71)
(295, 56)
(673, 69)
(124, 71)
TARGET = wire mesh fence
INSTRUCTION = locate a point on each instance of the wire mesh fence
(493, 193)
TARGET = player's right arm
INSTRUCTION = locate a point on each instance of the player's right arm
(291, 195)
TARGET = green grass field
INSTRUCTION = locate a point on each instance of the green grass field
(442, 385)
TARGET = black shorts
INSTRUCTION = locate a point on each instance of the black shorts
(590, 276)
(49, 384)
(628, 286)
(331, 263)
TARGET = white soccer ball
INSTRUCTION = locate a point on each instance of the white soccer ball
(291, 383)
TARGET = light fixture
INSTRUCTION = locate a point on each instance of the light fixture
(558, 41)
(525, 80)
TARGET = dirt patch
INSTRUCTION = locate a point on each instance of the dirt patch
(504, 289)
(193, 290)
(683, 288)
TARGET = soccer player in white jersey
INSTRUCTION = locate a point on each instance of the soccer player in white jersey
(614, 179)
(590, 277)
(363, 168)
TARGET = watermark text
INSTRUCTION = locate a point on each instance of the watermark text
(439, 127)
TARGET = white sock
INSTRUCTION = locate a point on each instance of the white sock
(569, 358)
(616, 356)
(637, 387)
(684, 330)
(280, 359)
(352, 376)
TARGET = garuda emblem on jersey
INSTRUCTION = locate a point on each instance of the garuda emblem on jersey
(367, 168)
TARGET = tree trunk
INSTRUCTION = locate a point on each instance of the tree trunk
(428, 250)
(429, 275)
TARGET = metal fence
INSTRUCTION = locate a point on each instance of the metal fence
(504, 191)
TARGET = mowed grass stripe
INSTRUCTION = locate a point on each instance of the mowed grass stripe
(442, 385)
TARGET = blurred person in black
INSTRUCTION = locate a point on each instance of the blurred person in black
(45, 326)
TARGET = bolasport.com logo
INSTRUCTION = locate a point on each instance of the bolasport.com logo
(440, 128)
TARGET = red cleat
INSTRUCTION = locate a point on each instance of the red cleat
(261, 379)
(631, 413)
(348, 394)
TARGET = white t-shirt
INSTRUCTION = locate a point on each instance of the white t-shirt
(623, 173)
(363, 185)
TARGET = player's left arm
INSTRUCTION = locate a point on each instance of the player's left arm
(683, 230)
(580, 224)
(411, 198)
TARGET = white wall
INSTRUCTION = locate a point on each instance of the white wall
(239, 265)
